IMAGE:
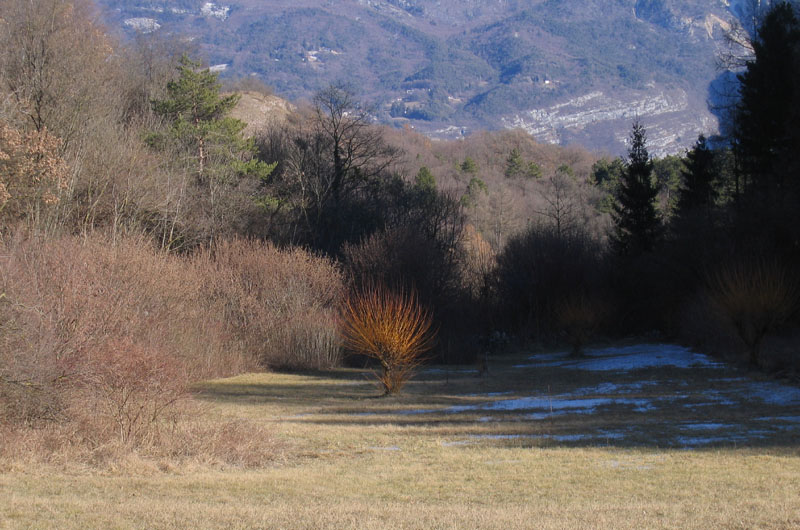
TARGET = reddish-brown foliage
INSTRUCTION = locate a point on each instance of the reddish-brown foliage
(278, 306)
(32, 172)
(106, 337)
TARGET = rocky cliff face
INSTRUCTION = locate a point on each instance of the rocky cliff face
(672, 121)
(566, 71)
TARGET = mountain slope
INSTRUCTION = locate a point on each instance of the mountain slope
(565, 70)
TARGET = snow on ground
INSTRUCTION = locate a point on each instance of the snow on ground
(727, 396)
(773, 393)
(627, 358)
(707, 426)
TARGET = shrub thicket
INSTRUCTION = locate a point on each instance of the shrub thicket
(279, 306)
(540, 268)
(106, 337)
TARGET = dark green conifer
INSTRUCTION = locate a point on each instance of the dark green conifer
(637, 227)
(698, 190)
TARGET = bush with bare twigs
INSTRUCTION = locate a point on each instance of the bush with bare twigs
(100, 334)
(389, 326)
(277, 306)
(537, 269)
(756, 296)
(579, 315)
(106, 337)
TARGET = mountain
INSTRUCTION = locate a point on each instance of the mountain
(567, 71)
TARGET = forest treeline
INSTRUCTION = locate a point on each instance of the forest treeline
(147, 242)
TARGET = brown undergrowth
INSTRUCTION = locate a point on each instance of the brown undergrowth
(100, 342)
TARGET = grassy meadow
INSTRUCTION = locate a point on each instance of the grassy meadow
(453, 450)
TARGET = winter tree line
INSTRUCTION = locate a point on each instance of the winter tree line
(144, 232)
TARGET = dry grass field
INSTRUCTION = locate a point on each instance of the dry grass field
(642, 436)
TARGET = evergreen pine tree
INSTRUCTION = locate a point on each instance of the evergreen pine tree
(469, 166)
(198, 115)
(637, 227)
(425, 180)
(212, 147)
(533, 171)
(515, 166)
(698, 190)
(767, 132)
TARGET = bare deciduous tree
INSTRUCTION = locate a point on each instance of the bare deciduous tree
(55, 64)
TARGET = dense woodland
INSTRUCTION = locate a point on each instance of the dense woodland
(146, 242)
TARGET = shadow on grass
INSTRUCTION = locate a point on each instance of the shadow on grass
(659, 408)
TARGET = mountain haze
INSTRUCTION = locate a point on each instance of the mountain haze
(567, 71)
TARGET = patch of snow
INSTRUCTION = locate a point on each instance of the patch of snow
(457, 443)
(390, 448)
(627, 358)
(644, 356)
(556, 437)
(412, 412)
(562, 404)
(557, 356)
(698, 441)
(612, 388)
(792, 419)
(506, 436)
(559, 403)
(145, 25)
(212, 10)
(711, 397)
(613, 435)
(706, 426)
(571, 437)
(218, 68)
(773, 393)
(732, 391)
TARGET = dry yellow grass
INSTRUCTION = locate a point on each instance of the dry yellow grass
(353, 460)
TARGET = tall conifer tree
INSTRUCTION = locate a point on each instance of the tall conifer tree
(767, 132)
(200, 123)
(698, 190)
(637, 226)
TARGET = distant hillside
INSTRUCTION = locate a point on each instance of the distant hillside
(568, 71)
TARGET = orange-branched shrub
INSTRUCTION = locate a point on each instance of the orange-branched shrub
(756, 296)
(389, 326)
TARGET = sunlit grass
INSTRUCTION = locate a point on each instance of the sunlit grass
(353, 459)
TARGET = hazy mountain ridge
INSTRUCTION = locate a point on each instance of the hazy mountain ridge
(566, 71)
